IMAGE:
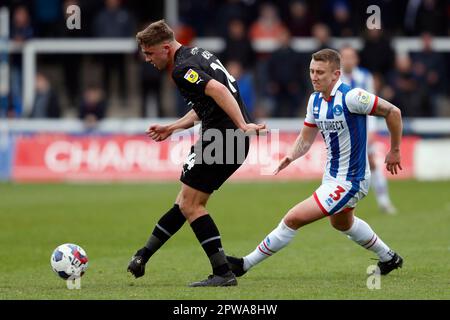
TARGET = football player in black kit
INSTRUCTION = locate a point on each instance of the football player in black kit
(215, 100)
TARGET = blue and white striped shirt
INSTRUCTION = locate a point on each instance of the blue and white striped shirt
(342, 122)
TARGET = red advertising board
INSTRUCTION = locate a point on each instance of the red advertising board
(137, 158)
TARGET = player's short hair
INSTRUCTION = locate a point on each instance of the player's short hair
(156, 33)
(328, 55)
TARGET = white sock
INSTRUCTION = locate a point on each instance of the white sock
(379, 183)
(276, 240)
(362, 234)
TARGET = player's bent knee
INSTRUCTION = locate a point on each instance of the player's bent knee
(341, 225)
(191, 211)
(293, 220)
(186, 208)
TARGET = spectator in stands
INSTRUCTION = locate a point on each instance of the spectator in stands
(114, 22)
(197, 14)
(47, 16)
(151, 86)
(405, 90)
(46, 101)
(185, 33)
(284, 78)
(268, 26)
(391, 14)
(71, 62)
(425, 15)
(93, 106)
(237, 45)
(21, 30)
(377, 54)
(229, 10)
(341, 22)
(321, 34)
(300, 19)
(245, 83)
(429, 68)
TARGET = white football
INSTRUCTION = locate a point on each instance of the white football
(69, 261)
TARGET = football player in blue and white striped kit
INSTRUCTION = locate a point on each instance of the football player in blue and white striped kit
(358, 77)
(339, 113)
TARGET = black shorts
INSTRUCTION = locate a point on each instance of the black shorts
(209, 165)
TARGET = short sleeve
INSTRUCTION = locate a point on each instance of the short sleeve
(360, 101)
(191, 78)
(309, 119)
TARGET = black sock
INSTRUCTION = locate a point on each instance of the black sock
(208, 235)
(166, 227)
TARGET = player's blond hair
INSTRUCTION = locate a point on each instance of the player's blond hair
(156, 33)
(328, 55)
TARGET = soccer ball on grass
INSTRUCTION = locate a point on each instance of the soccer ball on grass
(69, 261)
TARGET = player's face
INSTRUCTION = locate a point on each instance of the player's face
(349, 59)
(157, 55)
(322, 75)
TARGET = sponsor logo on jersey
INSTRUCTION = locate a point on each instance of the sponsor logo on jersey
(332, 126)
(206, 54)
(191, 76)
(329, 201)
(316, 110)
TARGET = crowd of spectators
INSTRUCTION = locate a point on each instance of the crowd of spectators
(273, 84)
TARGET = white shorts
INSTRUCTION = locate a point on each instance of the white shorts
(335, 196)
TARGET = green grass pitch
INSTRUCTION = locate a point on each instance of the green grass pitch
(110, 221)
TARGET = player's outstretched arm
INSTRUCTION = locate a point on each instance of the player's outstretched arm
(393, 117)
(159, 133)
(301, 146)
(223, 97)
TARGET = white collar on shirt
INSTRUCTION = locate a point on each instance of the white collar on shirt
(333, 92)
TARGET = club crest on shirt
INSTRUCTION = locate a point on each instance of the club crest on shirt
(337, 110)
(363, 97)
(194, 50)
(191, 76)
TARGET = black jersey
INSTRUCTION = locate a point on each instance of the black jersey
(193, 68)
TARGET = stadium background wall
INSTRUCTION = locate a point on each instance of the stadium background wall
(65, 157)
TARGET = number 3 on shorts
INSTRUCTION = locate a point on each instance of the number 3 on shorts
(337, 193)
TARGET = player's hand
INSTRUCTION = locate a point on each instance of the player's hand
(158, 132)
(253, 128)
(283, 164)
(393, 161)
